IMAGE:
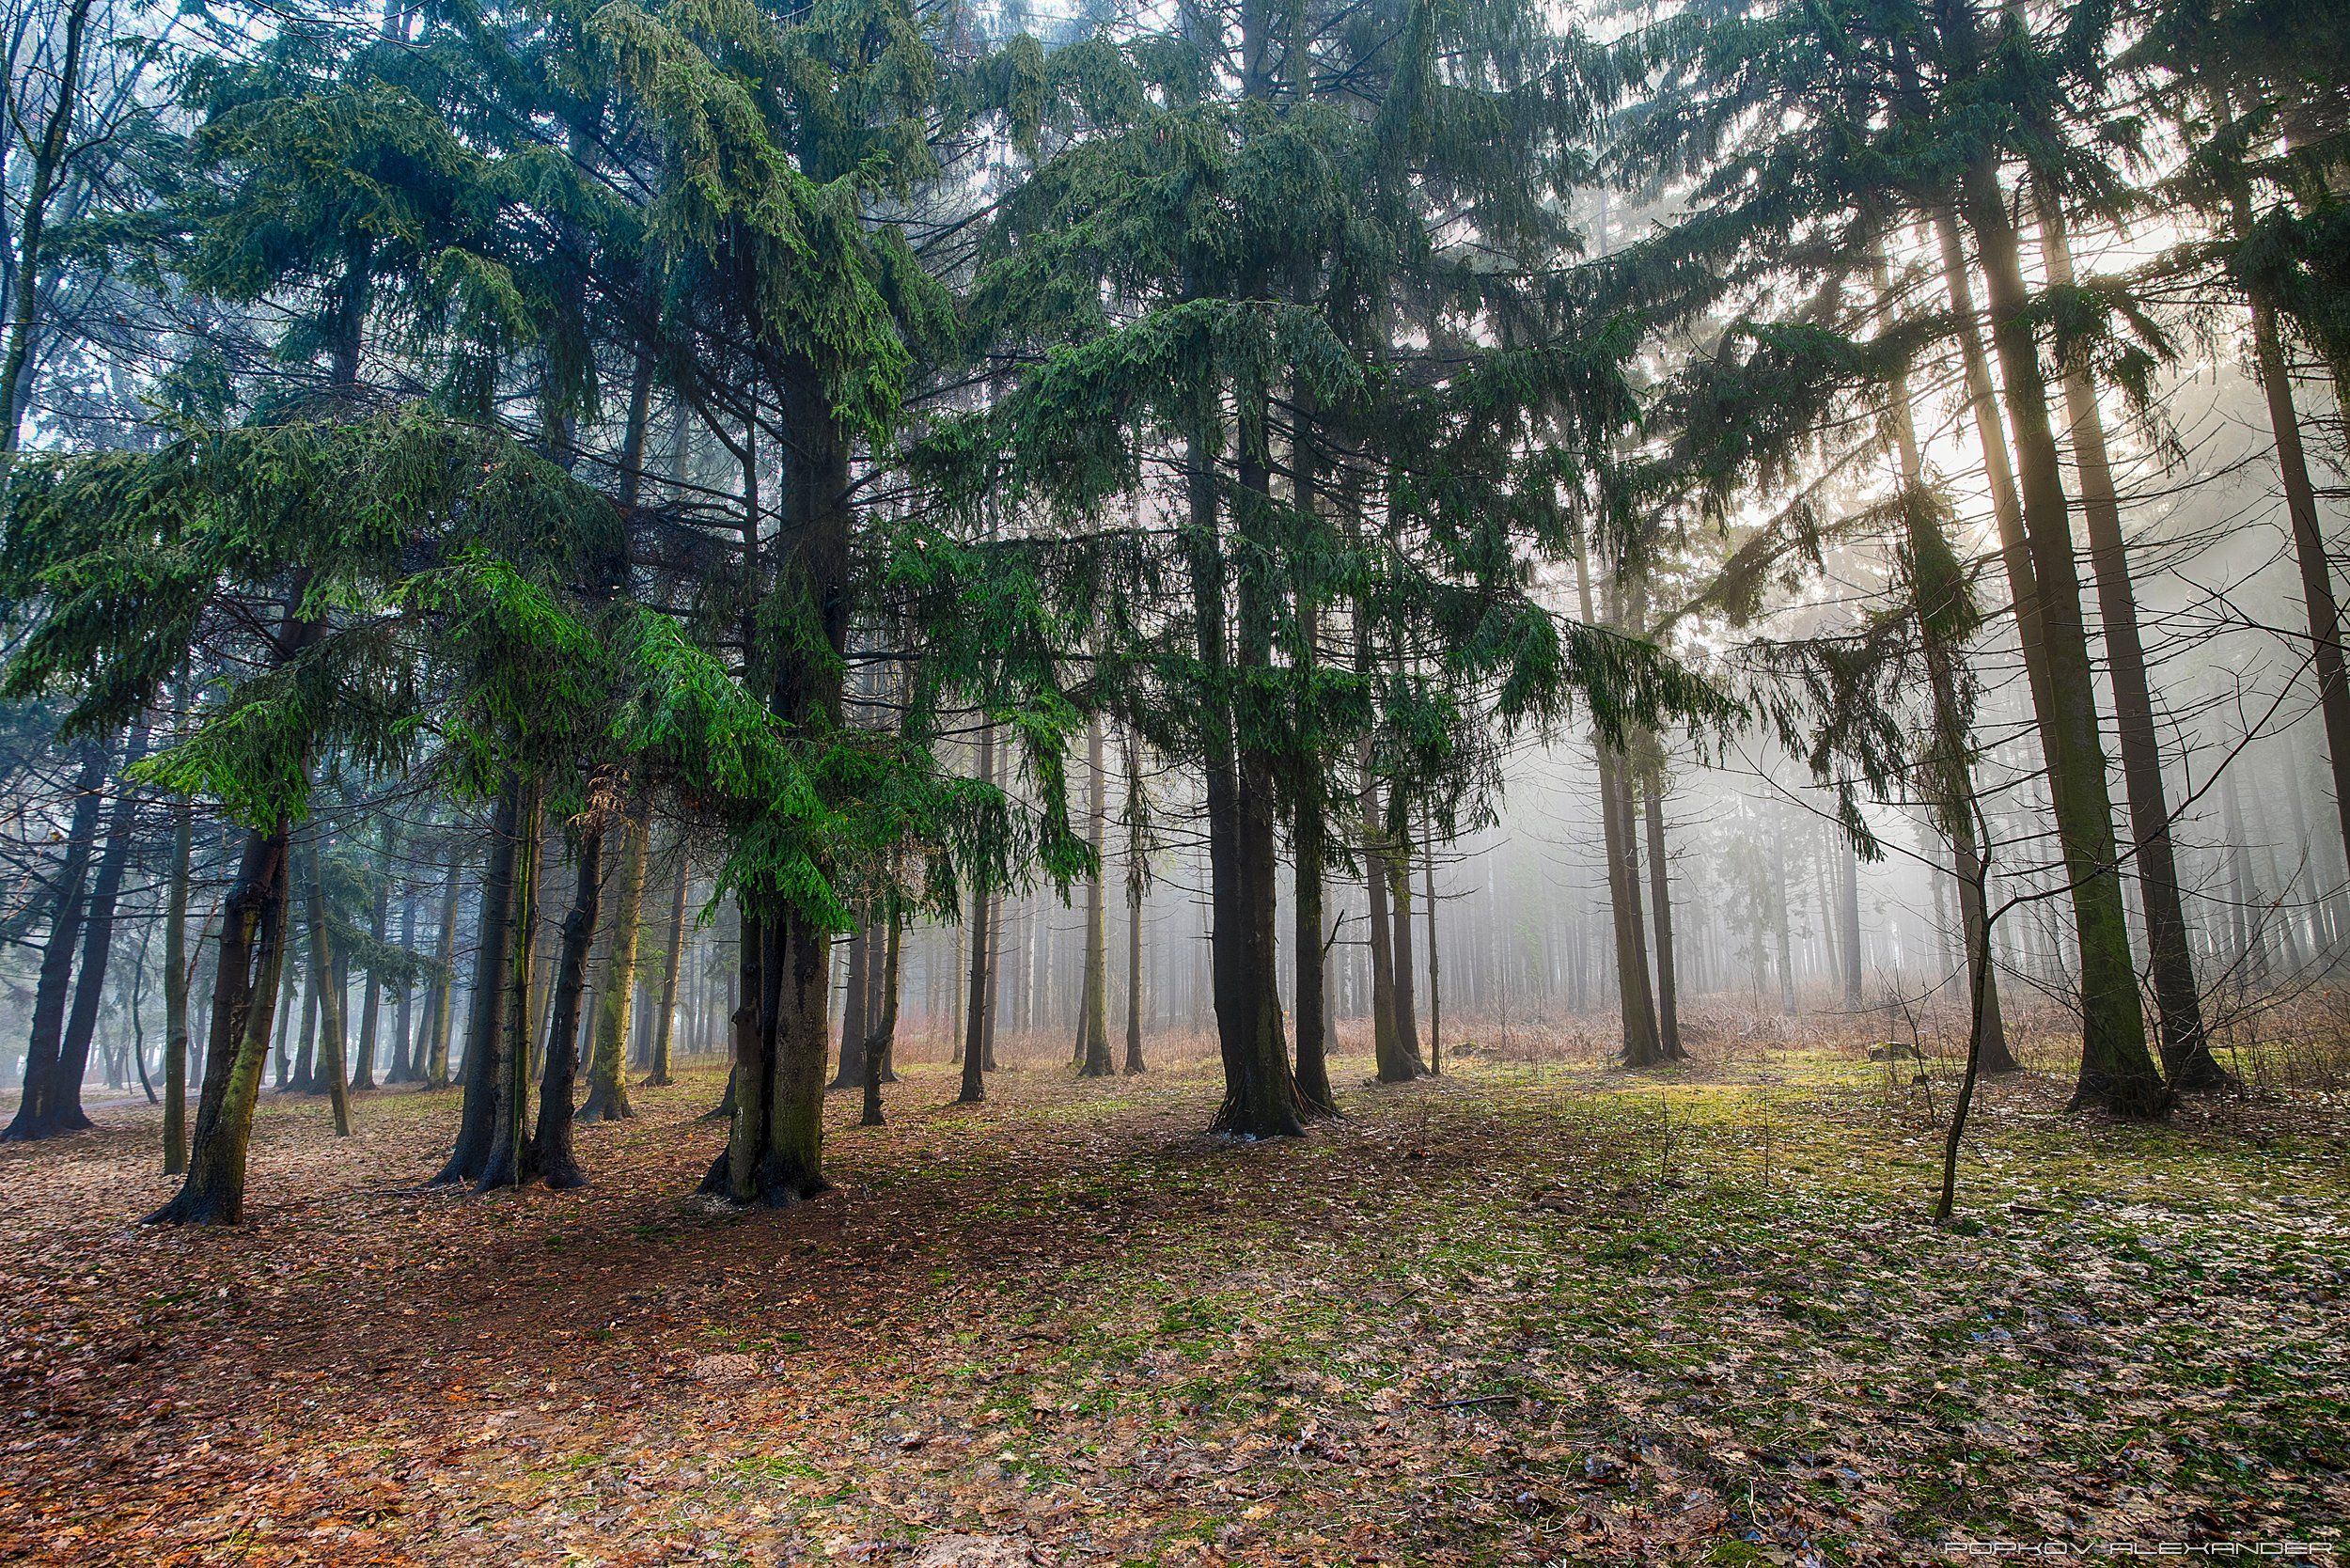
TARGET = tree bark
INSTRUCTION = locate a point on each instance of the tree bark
(1660, 897)
(244, 994)
(2186, 1057)
(45, 1045)
(2117, 1071)
(607, 1058)
(485, 1023)
(1094, 1033)
(552, 1158)
(326, 980)
(671, 959)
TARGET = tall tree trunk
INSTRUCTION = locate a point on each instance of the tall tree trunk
(1943, 603)
(1848, 916)
(1259, 1090)
(485, 1023)
(608, 1059)
(326, 979)
(880, 1043)
(856, 993)
(2319, 601)
(404, 1069)
(45, 1046)
(2007, 510)
(509, 1158)
(50, 155)
(1636, 1003)
(1660, 897)
(1394, 1062)
(2186, 1057)
(440, 993)
(1398, 863)
(2117, 1071)
(552, 1158)
(1435, 964)
(371, 996)
(61, 1102)
(975, 1019)
(176, 975)
(244, 993)
(776, 1145)
(672, 957)
(1094, 1037)
(1134, 910)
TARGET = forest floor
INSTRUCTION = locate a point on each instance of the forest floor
(1525, 1313)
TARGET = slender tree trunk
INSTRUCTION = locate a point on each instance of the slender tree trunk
(1133, 911)
(50, 155)
(45, 1046)
(671, 958)
(2318, 599)
(244, 991)
(1399, 865)
(363, 1070)
(1660, 897)
(509, 1161)
(440, 994)
(607, 1060)
(2117, 1071)
(1944, 604)
(485, 1024)
(885, 1035)
(176, 977)
(974, 1016)
(552, 1158)
(1095, 1036)
(327, 980)
(1635, 1002)
(1435, 964)
(854, 1024)
(2186, 1057)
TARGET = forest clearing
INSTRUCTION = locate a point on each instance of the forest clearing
(1540, 1311)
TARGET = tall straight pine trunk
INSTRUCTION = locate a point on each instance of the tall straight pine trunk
(2117, 1070)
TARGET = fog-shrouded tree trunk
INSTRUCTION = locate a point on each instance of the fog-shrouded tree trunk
(1668, 1044)
(1094, 1032)
(1393, 1063)
(52, 989)
(2320, 603)
(485, 1023)
(62, 1109)
(1982, 411)
(245, 983)
(607, 1055)
(857, 995)
(2186, 1057)
(2117, 1071)
(176, 979)
(1398, 861)
(552, 1157)
(672, 958)
(371, 996)
(1944, 603)
(326, 980)
(1635, 1002)
(975, 1020)
(404, 1068)
(1848, 918)
(1260, 1088)
(508, 1156)
(883, 1041)
(1436, 960)
(1134, 1063)
(440, 992)
(49, 153)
